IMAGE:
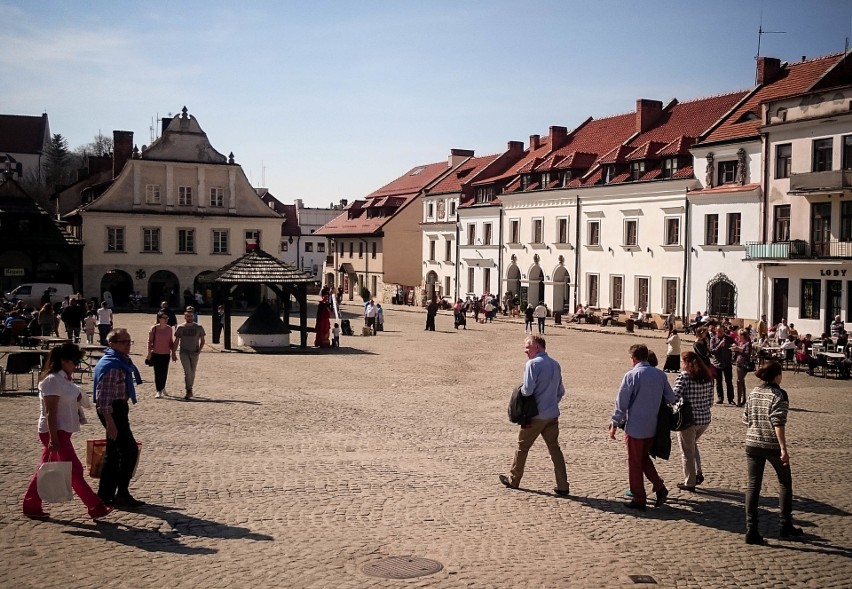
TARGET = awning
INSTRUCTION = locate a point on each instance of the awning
(346, 268)
(479, 263)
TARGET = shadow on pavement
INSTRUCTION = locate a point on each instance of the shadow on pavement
(160, 541)
(208, 400)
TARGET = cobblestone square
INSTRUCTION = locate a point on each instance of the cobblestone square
(297, 470)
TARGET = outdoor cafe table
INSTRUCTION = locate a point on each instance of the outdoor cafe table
(47, 340)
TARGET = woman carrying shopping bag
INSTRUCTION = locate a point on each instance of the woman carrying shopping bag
(60, 417)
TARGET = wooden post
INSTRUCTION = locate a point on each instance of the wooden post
(302, 290)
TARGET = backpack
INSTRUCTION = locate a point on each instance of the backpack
(521, 409)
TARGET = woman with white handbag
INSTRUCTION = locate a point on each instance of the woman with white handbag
(60, 417)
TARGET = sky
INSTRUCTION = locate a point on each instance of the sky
(324, 100)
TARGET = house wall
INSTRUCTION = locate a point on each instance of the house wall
(401, 245)
(475, 256)
(440, 228)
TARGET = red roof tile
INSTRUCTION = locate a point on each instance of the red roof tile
(464, 173)
(795, 78)
(415, 180)
(526, 162)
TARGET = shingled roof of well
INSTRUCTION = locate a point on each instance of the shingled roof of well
(260, 267)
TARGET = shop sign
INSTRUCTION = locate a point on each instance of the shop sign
(832, 272)
(13, 272)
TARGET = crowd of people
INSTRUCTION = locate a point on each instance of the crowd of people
(75, 316)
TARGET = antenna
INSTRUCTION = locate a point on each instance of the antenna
(761, 32)
(262, 174)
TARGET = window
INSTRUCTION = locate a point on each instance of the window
(514, 231)
(525, 181)
(616, 299)
(486, 234)
(781, 223)
(471, 234)
(217, 197)
(631, 231)
(220, 242)
(186, 241)
(566, 177)
(340, 248)
(537, 230)
(151, 240)
(783, 156)
(360, 249)
(672, 236)
(115, 239)
(284, 246)
(470, 280)
(609, 176)
(252, 239)
(670, 167)
(594, 237)
(452, 208)
(321, 247)
(809, 307)
(486, 280)
(822, 155)
(430, 210)
(350, 249)
(637, 169)
(152, 194)
(727, 172)
(711, 229)
(846, 223)
(448, 250)
(562, 230)
(545, 179)
(309, 247)
(185, 195)
(373, 250)
(642, 293)
(734, 225)
(431, 250)
(484, 194)
(670, 293)
(593, 290)
(847, 152)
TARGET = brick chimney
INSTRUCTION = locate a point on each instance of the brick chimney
(122, 149)
(767, 68)
(647, 113)
(457, 156)
(535, 142)
(558, 136)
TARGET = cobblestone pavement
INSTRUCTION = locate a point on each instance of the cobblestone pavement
(297, 470)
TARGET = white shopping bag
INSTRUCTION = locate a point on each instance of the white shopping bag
(54, 482)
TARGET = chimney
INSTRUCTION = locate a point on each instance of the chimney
(535, 142)
(558, 135)
(457, 156)
(299, 203)
(647, 113)
(767, 68)
(122, 149)
(343, 203)
(515, 147)
(165, 121)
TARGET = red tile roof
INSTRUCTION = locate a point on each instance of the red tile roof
(465, 172)
(725, 188)
(23, 134)
(527, 161)
(795, 78)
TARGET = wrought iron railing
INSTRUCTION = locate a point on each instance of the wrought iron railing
(798, 249)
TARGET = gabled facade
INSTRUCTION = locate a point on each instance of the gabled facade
(25, 140)
(804, 251)
(375, 242)
(176, 212)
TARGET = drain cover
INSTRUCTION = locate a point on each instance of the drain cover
(637, 579)
(402, 567)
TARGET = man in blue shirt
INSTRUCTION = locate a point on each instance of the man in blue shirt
(543, 380)
(636, 407)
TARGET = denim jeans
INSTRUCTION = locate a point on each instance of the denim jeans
(121, 455)
(756, 460)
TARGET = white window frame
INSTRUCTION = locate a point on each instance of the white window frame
(707, 218)
(559, 238)
(666, 221)
(638, 304)
(625, 235)
(514, 230)
(612, 302)
(321, 247)
(153, 248)
(217, 197)
(216, 238)
(595, 300)
(471, 279)
(189, 240)
(185, 196)
(589, 225)
(115, 241)
(487, 234)
(540, 222)
(152, 194)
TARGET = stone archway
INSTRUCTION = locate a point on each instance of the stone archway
(119, 284)
(722, 297)
(561, 289)
(536, 288)
(163, 285)
(513, 280)
(431, 285)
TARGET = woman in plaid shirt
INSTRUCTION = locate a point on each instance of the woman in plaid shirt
(695, 384)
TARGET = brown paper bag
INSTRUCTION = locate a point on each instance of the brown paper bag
(95, 451)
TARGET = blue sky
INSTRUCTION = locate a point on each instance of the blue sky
(337, 98)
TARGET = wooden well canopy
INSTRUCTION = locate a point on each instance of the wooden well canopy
(259, 267)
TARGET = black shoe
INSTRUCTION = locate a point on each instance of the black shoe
(790, 531)
(662, 494)
(635, 505)
(683, 487)
(754, 538)
(127, 502)
(731, 403)
(506, 482)
(563, 492)
(699, 478)
(719, 401)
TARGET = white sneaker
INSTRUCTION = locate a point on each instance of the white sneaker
(165, 394)
(159, 395)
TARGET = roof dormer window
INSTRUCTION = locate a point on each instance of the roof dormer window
(670, 167)
(637, 170)
(609, 173)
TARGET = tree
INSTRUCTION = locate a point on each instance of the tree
(101, 145)
(57, 162)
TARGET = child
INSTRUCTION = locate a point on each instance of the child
(335, 336)
(90, 323)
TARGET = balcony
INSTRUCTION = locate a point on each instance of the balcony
(798, 249)
(817, 183)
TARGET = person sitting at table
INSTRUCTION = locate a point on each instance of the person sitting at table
(641, 318)
(696, 322)
(842, 341)
(580, 313)
(805, 353)
(836, 326)
(793, 331)
(609, 317)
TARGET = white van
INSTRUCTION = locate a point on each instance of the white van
(32, 292)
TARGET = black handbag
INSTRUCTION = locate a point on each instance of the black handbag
(681, 416)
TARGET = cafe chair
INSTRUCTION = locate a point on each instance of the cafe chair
(19, 364)
(801, 361)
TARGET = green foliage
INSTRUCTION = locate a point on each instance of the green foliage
(57, 164)
(365, 293)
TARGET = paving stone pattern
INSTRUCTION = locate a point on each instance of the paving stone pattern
(298, 470)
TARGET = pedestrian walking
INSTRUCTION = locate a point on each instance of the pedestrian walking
(431, 311)
(542, 380)
(765, 414)
(104, 322)
(60, 402)
(721, 355)
(189, 339)
(528, 318)
(160, 341)
(540, 313)
(673, 360)
(636, 407)
(695, 384)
